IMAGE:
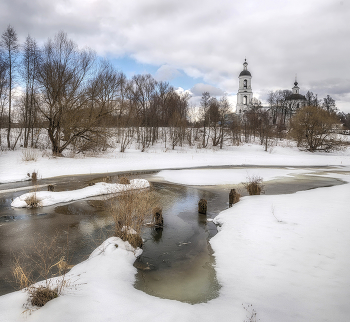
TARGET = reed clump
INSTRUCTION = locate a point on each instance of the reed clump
(131, 209)
(254, 185)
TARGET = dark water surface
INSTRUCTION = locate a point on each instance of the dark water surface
(177, 261)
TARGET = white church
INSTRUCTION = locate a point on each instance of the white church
(245, 93)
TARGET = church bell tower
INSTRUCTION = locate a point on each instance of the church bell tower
(245, 93)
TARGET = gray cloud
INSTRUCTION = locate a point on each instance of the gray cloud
(205, 38)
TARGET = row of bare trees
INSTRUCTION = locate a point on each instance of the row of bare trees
(75, 96)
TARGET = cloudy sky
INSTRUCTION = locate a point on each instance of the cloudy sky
(200, 45)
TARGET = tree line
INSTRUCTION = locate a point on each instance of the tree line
(78, 98)
(75, 96)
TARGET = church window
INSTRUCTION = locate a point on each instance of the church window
(245, 100)
(245, 83)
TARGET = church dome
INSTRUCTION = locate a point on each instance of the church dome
(245, 73)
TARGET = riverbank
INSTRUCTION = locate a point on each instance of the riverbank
(13, 168)
(284, 254)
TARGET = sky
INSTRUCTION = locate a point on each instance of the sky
(200, 45)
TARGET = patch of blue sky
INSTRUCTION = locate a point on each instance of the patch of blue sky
(131, 67)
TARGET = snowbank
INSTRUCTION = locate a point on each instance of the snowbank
(288, 254)
(48, 198)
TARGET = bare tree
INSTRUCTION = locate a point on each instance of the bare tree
(224, 108)
(29, 66)
(76, 97)
(329, 104)
(205, 104)
(3, 90)
(9, 43)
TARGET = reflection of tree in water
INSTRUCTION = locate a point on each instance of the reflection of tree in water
(157, 234)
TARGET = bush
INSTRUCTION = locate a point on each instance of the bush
(313, 128)
(254, 185)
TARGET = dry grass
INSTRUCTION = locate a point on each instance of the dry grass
(254, 185)
(124, 180)
(32, 201)
(130, 211)
(45, 260)
(41, 295)
(29, 155)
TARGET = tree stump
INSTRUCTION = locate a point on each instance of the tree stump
(233, 197)
(50, 187)
(202, 206)
(158, 217)
(34, 176)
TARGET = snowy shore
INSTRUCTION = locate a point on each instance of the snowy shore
(13, 168)
(287, 255)
(49, 198)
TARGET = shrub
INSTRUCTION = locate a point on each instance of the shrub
(313, 128)
(254, 185)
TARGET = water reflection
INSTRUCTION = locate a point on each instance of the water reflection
(157, 234)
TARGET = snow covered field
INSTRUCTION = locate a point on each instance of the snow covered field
(287, 255)
(13, 168)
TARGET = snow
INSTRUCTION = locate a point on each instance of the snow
(288, 255)
(48, 198)
(200, 177)
(13, 168)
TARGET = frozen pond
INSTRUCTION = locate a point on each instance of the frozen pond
(177, 261)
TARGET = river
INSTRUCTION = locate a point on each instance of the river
(177, 261)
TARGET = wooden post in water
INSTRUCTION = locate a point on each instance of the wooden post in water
(202, 206)
(158, 216)
(233, 197)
